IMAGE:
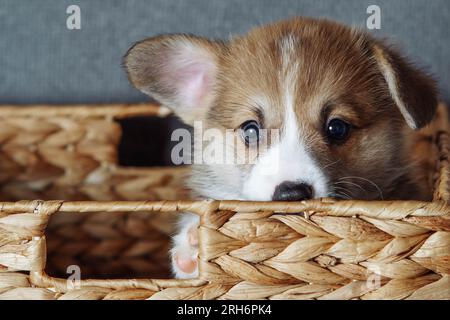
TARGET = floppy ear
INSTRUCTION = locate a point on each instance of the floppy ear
(414, 92)
(179, 71)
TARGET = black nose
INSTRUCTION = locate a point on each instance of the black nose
(292, 191)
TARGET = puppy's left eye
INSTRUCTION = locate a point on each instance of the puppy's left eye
(250, 132)
(337, 130)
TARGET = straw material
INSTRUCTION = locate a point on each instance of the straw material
(66, 145)
(316, 249)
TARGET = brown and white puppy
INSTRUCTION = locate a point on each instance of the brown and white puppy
(345, 104)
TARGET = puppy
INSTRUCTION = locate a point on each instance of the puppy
(346, 106)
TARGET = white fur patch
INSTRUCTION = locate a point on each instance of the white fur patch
(289, 156)
(292, 162)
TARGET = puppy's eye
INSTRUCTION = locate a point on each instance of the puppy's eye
(337, 130)
(250, 132)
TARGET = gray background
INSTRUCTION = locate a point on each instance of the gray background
(43, 62)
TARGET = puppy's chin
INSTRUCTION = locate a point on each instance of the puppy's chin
(215, 182)
(217, 194)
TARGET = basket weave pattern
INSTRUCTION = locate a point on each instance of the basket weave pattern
(317, 249)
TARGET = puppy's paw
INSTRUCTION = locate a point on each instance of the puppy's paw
(184, 252)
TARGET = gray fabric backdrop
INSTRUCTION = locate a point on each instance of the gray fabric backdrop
(41, 61)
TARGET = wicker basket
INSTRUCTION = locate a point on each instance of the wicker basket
(115, 223)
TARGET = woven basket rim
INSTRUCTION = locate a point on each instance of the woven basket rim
(395, 210)
(115, 111)
(330, 205)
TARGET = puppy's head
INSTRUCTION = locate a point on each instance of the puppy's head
(343, 102)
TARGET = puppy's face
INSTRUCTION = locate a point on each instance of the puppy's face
(341, 106)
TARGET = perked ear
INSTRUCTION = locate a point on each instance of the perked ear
(179, 71)
(414, 92)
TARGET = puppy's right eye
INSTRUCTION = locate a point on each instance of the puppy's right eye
(337, 130)
(250, 132)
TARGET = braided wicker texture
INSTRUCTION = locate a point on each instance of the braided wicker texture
(317, 249)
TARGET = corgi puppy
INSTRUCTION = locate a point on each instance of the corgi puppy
(346, 106)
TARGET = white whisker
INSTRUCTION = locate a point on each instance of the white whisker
(367, 180)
